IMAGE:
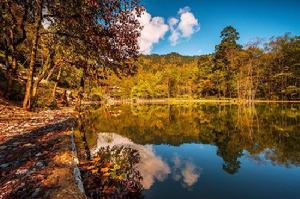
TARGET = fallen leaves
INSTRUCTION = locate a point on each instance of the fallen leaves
(104, 170)
(34, 146)
(15, 121)
(63, 158)
(94, 171)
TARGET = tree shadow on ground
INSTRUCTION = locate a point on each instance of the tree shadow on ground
(27, 160)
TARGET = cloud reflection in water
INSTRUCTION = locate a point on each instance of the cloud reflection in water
(151, 167)
(186, 171)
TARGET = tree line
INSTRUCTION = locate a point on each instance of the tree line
(257, 70)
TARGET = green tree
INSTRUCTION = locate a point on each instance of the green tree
(224, 61)
(284, 66)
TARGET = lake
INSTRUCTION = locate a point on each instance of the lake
(205, 150)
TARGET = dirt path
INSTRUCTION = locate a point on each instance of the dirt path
(35, 154)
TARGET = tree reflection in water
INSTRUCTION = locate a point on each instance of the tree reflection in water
(150, 166)
(112, 173)
(233, 129)
(122, 140)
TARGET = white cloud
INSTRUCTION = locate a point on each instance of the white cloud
(188, 23)
(174, 33)
(186, 27)
(173, 21)
(154, 29)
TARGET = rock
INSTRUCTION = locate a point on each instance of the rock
(3, 166)
(38, 154)
(21, 171)
(39, 164)
(35, 193)
(31, 172)
(27, 145)
(3, 147)
(16, 143)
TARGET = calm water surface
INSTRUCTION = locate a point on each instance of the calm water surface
(206, 151)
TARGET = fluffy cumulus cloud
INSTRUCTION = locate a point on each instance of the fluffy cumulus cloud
(188, 23)
(185, 27)
(175, 35)
(154, 29)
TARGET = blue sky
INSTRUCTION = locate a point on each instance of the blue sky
(252, 18)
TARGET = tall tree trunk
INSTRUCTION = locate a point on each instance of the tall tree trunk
(81, 91)
(27, 97)
(55, 85)
(218, 85)
(238, 89)
(47, 65)
(169, 89)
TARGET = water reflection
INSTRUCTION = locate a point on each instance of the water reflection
(232, 129)
(151, 167)
(186, 171)
(193, 147)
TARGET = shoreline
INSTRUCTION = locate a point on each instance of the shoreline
(178, 101)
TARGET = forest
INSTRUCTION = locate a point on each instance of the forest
(51, 49)
(269, 71)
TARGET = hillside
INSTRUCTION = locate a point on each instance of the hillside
(234, 71)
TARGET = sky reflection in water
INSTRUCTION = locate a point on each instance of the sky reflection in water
(151, 166)
(207, 151)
